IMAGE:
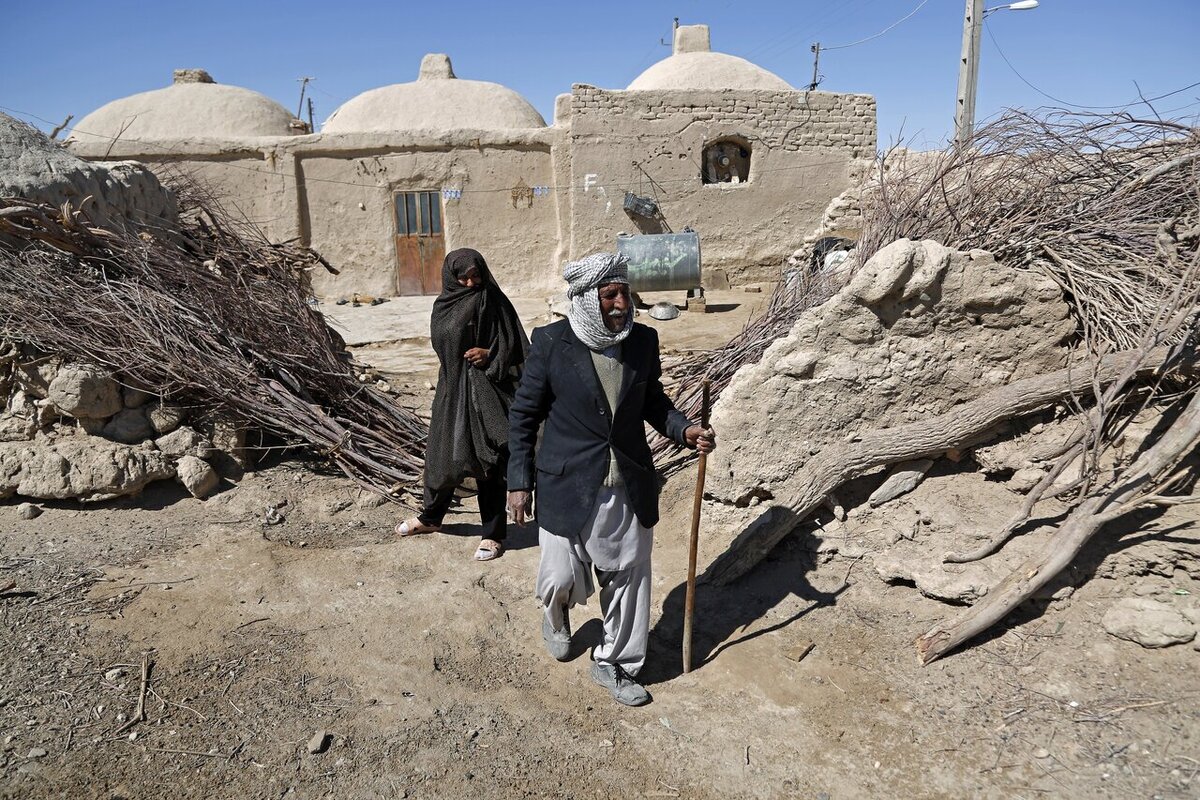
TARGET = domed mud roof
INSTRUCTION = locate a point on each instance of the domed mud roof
(692, 65)
(193, 106)
(437, 100)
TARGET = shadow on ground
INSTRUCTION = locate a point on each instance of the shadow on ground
(724, 614)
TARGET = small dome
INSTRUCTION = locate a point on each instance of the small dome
(193, 106)
(693, 66)
(437, 100)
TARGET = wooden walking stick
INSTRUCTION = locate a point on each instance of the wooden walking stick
(689, 604)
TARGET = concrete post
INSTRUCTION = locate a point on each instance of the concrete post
(968, 72)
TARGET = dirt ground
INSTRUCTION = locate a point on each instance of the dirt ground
(427, 673)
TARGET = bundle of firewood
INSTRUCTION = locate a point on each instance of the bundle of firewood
(1088, 199)
(208, 314)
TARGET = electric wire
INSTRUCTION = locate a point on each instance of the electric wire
(882, 32)
(778, 45)
(777, 50)
(1049, 96)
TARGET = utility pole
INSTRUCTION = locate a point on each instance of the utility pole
(816, 51)
(311, 128)
(303, 86)
(968, 73)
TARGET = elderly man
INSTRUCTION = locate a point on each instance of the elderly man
(593, 380)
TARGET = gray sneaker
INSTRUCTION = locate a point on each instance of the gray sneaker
(624, 689)
(558, 643)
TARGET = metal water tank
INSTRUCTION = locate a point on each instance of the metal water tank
(662, 262)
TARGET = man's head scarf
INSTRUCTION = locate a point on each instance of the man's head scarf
(584, 277)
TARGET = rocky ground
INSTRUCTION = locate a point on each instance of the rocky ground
(306, 652)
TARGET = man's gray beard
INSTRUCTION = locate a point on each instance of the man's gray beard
(587, 320)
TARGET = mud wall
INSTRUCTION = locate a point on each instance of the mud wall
(806, 148)
(334, 193)
(919, 329)
(530, 199)
(257, 186)
(488, 202)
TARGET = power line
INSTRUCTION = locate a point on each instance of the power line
(778, 45)
(882, 32)
(1077, 105)
(837, 21)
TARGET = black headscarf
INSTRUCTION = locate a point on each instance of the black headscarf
(468, 431)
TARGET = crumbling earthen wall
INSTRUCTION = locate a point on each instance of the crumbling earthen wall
(806, 148)
(73, 431)
(919, 329)
(33, 167)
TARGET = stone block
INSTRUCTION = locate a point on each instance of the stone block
(885, 273)
(83, 468)
(184, 441)
(129, 425)
(35, 376)
(1149, 623)
(19, 422)
(135, 398)
(85, 391)
(165, 419)
(197, 476)
(902, 479)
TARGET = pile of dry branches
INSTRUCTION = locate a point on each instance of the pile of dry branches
(1081, 197)
(1109, 207)
(209, 315)
(1107, 392)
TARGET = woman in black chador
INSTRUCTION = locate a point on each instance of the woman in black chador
(481, 346)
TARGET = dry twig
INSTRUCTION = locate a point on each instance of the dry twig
(139, 715)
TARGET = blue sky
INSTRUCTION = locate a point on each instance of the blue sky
(70, 57)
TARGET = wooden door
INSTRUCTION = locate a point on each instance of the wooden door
(420, 245)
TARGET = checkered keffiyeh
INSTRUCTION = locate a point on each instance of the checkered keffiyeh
(583, 278)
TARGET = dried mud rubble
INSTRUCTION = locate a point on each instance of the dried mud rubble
(427, 672)
(428, 675)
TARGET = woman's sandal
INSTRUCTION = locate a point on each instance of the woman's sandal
(414, 526)
(488, 549)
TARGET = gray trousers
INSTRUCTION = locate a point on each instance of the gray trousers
(564, 579)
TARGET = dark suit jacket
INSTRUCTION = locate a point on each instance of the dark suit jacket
(560, 387)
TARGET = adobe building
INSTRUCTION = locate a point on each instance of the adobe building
(401, 174)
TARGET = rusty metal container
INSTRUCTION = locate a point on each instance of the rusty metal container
(662, 262)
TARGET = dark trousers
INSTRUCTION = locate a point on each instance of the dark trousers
(493, 502)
